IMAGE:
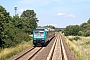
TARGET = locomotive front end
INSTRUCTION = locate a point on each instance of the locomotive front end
(39, 36)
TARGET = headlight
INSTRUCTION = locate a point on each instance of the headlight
(42, 39)
(34, 41)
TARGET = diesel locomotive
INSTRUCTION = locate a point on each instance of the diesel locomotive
(41, 36)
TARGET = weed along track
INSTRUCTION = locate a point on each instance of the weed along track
(54, 50)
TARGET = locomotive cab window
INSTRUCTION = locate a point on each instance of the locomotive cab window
(38, 33)
(41, 32)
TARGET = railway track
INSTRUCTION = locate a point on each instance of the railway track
(24, 53)
(59, 51)
(28, 55)
(54, 50)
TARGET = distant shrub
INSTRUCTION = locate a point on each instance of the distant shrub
(76, 38)
(87, 33)
(72, 30)
(80, 33)
(87, 42)
(71, 39)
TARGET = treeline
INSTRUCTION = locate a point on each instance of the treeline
(78, 30)
(50, 26)
(14, 30)
(47, 26)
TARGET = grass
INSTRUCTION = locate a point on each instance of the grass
(80, 48)
(71, 38)
(9, 52)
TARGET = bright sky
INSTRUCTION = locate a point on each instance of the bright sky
(59, 13)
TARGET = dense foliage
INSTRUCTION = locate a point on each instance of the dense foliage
(72, 30)
(80, 30)
(30, 20)
(14, 30)
(50, 26)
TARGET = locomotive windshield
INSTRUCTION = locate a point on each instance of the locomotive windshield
(38, 32)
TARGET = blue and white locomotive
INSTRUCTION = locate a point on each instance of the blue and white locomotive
(40, 36)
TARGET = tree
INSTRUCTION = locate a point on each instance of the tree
(4, 22)
(72, 30)
(87, 33)
(50, 26)
(88, 21)
(18, 22)
(82, 30)
(30, 20)
(84, 25)
(29, 14)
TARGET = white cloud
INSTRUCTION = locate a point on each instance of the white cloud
(66, 15)
(61, 14)
(71, 15)
(21, 10)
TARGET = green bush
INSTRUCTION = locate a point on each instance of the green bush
(72, 30)
(71, 39)
(87, 42)
(14, 36)
(76, 38)
(87, 33)
(80, 33)
(14, 30)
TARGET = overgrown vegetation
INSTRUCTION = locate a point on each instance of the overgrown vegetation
(14, 30)
(75, 38)
(79, 42)
(9, 52)
(79, 48)
(80, 30)
(50, 26)
(83, 45)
